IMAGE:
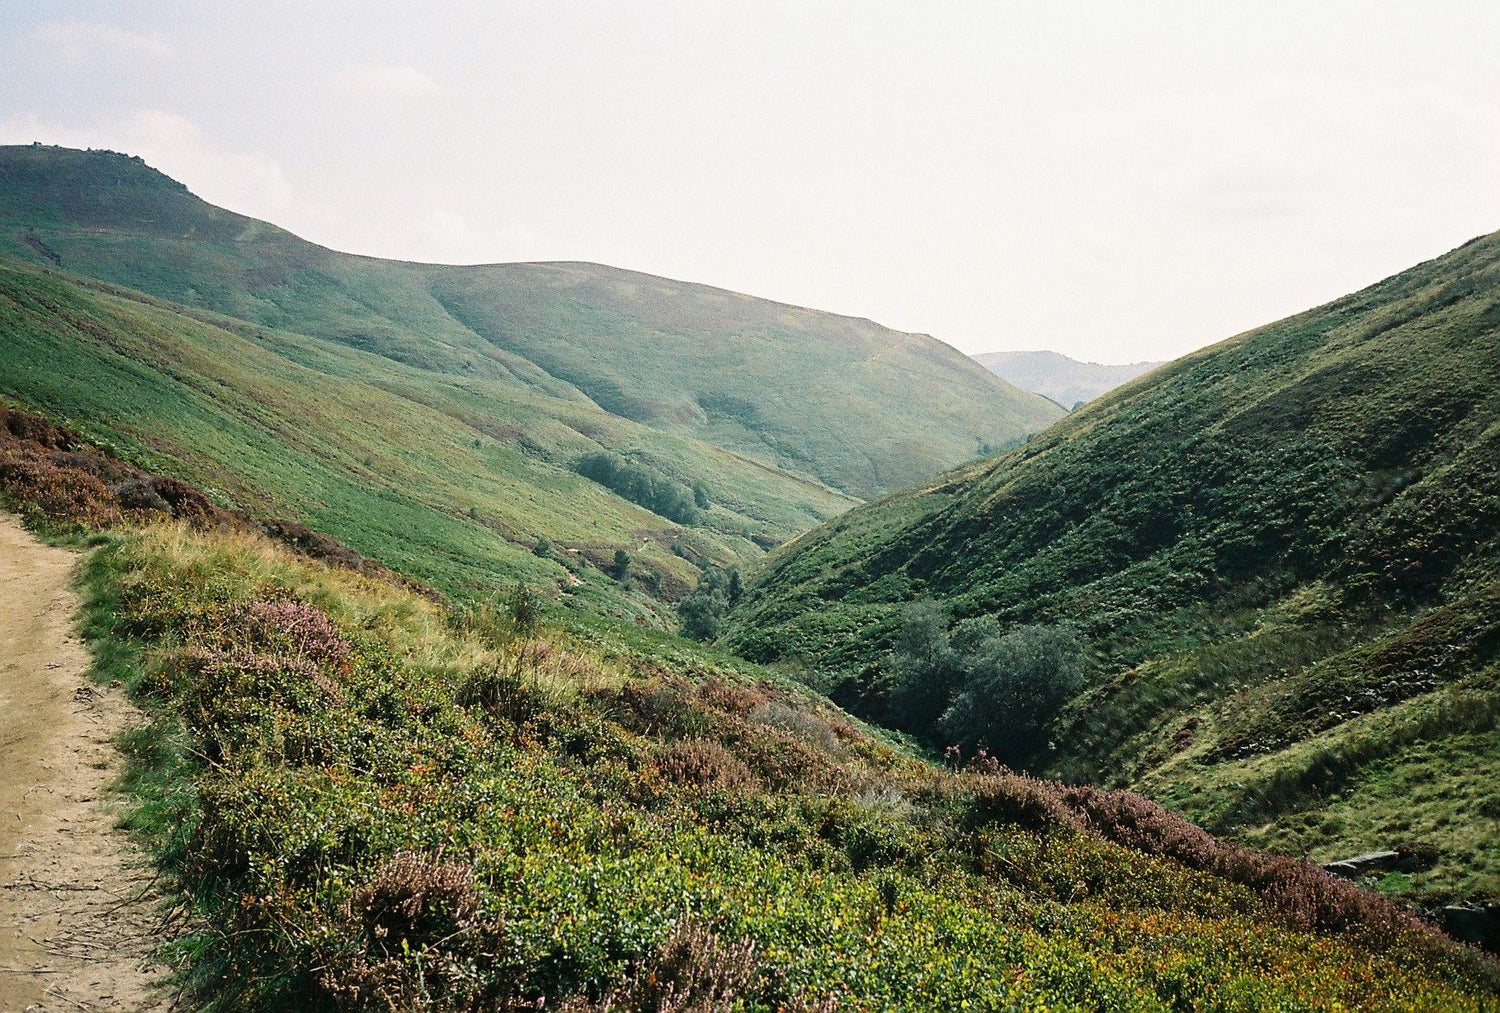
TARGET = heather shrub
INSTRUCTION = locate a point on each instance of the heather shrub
(135, 494)
(294, 628)
(423, 942)
(1310, 898)
(703, 763)
(784, 761)
(806, 726)
(109, 470)
(58, 495)
(730, 697)
(1016, 798)
(359, 985)
(223, 696)
(186, 502)
(68, 484)
(1141, 824)
(59, 482)
(414, 897)
(1305, 895)
(25, 427)
(312, 544)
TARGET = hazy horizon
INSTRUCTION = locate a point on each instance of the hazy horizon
(1117, 183)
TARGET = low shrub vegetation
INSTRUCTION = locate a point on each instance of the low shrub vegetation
(375, 802)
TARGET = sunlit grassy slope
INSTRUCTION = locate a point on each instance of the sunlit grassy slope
(839, 400)
(453, 479)
(1283, 553)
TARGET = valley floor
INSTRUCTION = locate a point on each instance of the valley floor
(76, 901)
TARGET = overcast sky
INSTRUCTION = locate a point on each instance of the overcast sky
(1116, 181)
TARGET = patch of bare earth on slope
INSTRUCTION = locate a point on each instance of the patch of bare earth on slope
(77, 904)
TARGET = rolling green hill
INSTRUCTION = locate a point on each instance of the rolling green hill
(442, 419)
(1280, 556)
(451, 479)
(842, 401)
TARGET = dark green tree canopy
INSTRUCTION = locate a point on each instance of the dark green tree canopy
(982, 684)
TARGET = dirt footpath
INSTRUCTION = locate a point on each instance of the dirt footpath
(77, 910)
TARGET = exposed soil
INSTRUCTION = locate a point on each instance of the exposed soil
(77, 905)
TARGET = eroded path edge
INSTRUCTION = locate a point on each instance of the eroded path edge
(77, 911)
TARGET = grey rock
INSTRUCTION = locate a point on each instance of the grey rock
(1366, 864)
(1472, 923)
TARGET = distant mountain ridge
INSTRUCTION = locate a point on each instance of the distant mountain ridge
(799, 389)
(1058, 378)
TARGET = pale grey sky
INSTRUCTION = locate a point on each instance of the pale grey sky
(1115, 181)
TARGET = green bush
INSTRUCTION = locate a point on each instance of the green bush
(641, 484)
(982, 684)
(1013, 684)
(926, 671)
(702, 614)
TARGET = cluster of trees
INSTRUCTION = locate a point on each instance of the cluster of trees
(645, 486)
(980, 683)
(702, 612)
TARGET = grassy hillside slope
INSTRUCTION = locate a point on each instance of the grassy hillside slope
(361, 798)
(451, 479)
(1058, 378)
(843, 401)
(1282, 555)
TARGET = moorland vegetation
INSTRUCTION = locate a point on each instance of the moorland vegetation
(365, 797)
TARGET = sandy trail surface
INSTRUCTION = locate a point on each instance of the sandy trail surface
(77, 905)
